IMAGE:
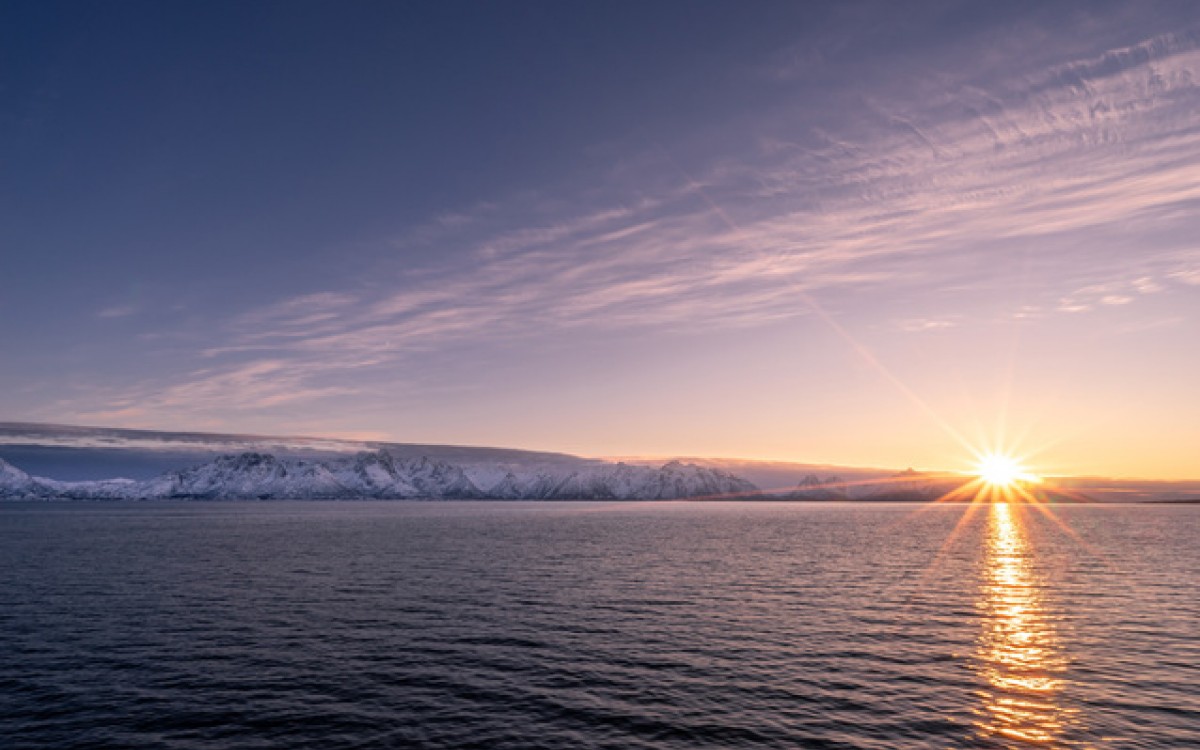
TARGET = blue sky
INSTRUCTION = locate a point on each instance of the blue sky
(862, 233)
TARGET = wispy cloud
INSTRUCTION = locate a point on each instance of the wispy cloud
(210, 396)
(923, 325)
(1189, 276)
(1069, 167)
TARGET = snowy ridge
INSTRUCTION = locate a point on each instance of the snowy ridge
(382, 475)
(16, 484)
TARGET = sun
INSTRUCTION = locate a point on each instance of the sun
(1000, 470)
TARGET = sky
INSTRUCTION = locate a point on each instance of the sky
(882, 234)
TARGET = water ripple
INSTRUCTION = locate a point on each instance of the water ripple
(560, 625)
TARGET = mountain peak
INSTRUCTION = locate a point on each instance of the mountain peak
(379, 474)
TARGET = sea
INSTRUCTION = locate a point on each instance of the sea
(556, 625)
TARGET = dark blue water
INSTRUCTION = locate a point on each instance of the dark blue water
(571, 625)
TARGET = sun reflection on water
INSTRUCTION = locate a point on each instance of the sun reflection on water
(1020, 653)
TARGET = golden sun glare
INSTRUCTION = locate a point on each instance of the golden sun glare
(1002, 471)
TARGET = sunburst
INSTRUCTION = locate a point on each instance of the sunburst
(1003, 471)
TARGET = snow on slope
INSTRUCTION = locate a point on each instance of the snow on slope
(379, 474)
(16, 484)
(72, 453)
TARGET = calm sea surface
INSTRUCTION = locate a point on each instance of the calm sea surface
(584, 625)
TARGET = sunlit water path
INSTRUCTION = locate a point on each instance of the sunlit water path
(1021, 654)
(584, 625)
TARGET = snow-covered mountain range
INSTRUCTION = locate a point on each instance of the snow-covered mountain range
(72, 461)
(379, 474)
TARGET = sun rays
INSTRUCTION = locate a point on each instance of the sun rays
(1003, 471)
